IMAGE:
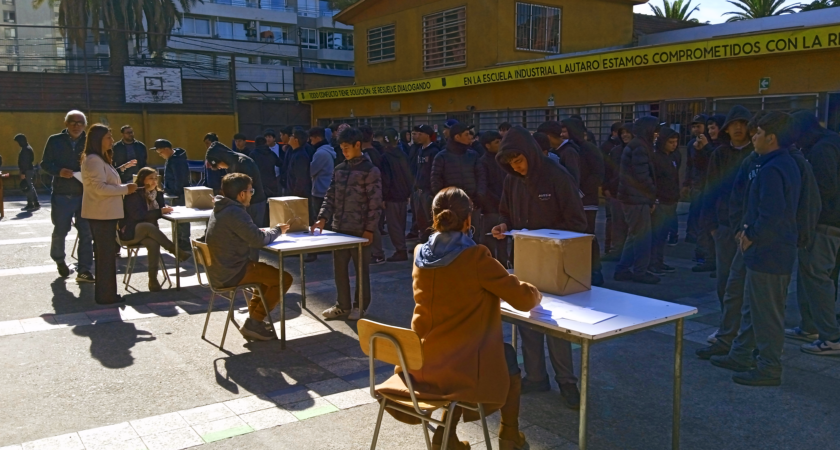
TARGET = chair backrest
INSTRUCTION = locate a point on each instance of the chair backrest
(386, 351)
(201, 255)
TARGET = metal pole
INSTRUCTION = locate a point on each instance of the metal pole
(302, 283)
(678, 346)
(584, 392)
(360, 283)
(177, 259)
(282, 305)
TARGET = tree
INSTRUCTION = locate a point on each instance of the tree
(122, 20)
(675, 9)
(755, 9)
(818, 4)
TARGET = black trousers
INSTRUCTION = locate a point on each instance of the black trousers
(596, 248)
(104, 251)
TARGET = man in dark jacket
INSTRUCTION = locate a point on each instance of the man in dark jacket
(491, 140)
(591, 178)
(268, 163)
(373, 151)
(705, 250)
(696, 163)
(816, 290)
(611, 174)
(129, 155)
(666, 164)
(231, 237)
(423, 154)
(723, 168)
(298, 180)
(61, 160)
(26, 165)
(564, 148)
(220, 157)
(637, 194)
(459, 166)
(609, 168)
(176, 176)
(768, 239)
(397, 183)
(539, 194)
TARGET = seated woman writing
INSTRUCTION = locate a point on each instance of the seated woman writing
(457, 287)
(142, 210)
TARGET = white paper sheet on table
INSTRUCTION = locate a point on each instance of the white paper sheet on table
(183, 211)
(561, 310)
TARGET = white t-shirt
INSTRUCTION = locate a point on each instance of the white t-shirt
(276, 150)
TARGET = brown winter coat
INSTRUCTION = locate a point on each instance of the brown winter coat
(458, 318)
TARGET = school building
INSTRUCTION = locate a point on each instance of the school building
(489, 61)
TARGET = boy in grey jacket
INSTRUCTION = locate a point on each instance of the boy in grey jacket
(231, 234)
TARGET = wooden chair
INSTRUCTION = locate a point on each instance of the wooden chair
(401, 346)
(201, 254)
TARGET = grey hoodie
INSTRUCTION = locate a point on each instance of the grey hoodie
(321, 169)
(231, 233)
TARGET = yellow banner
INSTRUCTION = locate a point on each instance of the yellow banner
(712, 49)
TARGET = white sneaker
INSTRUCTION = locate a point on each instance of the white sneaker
(712, 337)
(334, 313)
(355, 314)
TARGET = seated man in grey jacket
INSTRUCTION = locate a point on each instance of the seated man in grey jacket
(231, 234)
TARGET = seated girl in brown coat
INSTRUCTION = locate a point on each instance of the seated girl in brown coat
(457, 287)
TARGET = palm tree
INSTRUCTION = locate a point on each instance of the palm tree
(818, 4)
(122, 20)
(675, 9)
(754, 9)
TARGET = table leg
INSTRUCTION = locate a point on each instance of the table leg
(282, 306)
(584, 392)
(302, 284)
(678, 346)
(177, 259)
(514, 340)
(359, 283)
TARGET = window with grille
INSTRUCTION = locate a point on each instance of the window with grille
(381, 44)
(445, 39)
(537, 28)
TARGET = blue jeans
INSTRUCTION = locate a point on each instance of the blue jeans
(64, 209)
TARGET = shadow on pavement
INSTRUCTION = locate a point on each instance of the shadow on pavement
(112, 344)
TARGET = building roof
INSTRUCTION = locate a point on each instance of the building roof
(644, 24)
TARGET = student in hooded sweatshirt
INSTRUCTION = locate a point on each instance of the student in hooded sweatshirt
(220, 157)
(321, 168)
(373, 151)
(723, 168)
(496, 175)
(458, 166)
(423, 154)
(666, 163)
(705, 250)
(545, 146)
(816, 289)
(591, 178)
(539, 194)
(268, 163)
(696, 163)
(768, 239)
(609, 168)
(612, 171)
(397, 182)
(637, 194)
(563, 147)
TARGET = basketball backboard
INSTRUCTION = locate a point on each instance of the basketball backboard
(152, 85)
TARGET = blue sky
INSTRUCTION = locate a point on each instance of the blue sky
(710, 10)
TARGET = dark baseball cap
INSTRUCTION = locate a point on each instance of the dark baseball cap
(424, 129)
(699, 118)
(162, 143)
(458, 128)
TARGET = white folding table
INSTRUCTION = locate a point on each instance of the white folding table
(632, 313)
(302, 242)
(179, 215)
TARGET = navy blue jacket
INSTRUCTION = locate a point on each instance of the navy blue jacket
(59, 153)
(770, 214)
(176, 174)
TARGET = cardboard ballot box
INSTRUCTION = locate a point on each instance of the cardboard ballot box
(198, 197)
(293, 211)
(556, 262)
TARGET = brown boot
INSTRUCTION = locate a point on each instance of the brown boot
(454, 444)
(510, 438)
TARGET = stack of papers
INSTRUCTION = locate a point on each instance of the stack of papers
(557, 310)
(184, 211)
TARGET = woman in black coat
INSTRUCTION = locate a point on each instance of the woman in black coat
(142, 209)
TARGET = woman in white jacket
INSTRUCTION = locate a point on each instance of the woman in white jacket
(102, 205)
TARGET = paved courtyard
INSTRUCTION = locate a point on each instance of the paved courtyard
(77, 375)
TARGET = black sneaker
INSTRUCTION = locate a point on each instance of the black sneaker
(667, 269)
(716, 349)
(725, 362)
(655, 270)
(256, 331)
(36, 206)
(623, 276)
(28, 207)
(398, 257)
(673, 240)
(63, 270)
(705, 267)
(646, 278)
(85, 277)
(756, 377)
(375, 261)
(571, 395)
(539, 386)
